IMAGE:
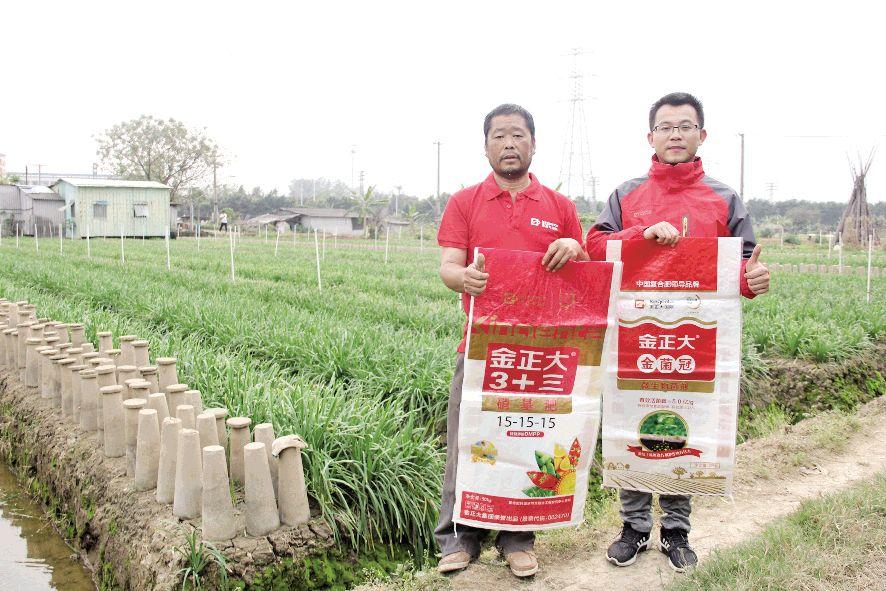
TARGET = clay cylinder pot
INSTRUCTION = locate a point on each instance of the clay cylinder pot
(168, 375)
(217, 507)
(239, 437)
(292, 494)
(262, 516)
(127, 352)
(188, 476)
(77, 334)
(147, 450)
(140, 353)
(169, 437)
(149, 374)
(175, 396)
(105, 341)
(131, 409)
(88, 400)
(115, 429)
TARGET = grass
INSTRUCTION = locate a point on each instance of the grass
(833, 543)
(361, 370)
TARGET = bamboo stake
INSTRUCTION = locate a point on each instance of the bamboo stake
(840, 239)
(168, 259)
(870, 254)
(277, 243)
(317, 253)
(231, 245)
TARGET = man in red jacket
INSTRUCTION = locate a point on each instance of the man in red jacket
(675, 199)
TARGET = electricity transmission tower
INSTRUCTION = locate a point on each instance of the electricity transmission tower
(576, 175)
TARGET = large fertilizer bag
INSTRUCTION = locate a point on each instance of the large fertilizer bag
(530, 409)
(671, 391)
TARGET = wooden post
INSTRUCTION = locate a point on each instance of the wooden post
(317, 252)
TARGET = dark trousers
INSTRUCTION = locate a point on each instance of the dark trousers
(450, 537)
(636, 510)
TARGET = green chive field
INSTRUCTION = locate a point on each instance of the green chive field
(361, 368)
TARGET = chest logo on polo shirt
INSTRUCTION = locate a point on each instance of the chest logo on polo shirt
(544, 224)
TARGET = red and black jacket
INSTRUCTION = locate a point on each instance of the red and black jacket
(696, 204)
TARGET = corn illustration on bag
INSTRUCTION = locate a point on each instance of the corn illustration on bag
(530, 409)
(670, 399)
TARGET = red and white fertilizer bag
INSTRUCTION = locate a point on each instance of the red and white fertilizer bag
(670, 398)
(530, 408)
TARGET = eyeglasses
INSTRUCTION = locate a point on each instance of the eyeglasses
(668, 129)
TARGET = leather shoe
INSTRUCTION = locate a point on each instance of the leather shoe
(523, 563)
(453, 562)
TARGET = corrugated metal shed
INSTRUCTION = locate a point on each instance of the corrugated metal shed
(333, 221)
(106, 207)
(31, 208)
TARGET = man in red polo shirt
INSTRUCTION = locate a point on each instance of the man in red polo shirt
(675, 199)
(512, 210)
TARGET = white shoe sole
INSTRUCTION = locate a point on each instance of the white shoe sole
(642, 548)
(679, 569)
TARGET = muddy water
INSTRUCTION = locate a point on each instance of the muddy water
(33, 556)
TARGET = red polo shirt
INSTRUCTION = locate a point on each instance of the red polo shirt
(484, 215)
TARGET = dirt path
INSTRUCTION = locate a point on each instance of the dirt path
(844, 456)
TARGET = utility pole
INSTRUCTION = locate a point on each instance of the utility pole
(741, 182)
(215, 187)
(39, 174)
(771, 188)
(353, 156)
(397, 199)
(362, 176)
(437, 200)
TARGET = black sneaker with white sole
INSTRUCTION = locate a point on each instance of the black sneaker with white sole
(675, 543)
(624, 550)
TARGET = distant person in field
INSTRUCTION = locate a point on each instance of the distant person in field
(497, 213)
(674, 199)
(223, 221)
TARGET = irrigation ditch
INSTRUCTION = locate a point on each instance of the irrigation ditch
(128, 540)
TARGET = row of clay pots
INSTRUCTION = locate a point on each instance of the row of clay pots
(141, 412)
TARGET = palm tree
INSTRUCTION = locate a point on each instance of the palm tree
(363, 205)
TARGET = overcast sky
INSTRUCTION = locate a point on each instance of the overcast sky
(288, 90)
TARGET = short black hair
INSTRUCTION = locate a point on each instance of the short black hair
(508, 109)
(675, 99)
